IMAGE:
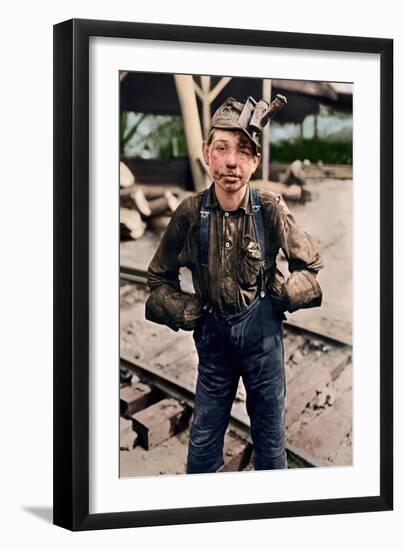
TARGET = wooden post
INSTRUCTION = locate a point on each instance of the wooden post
(191, 122)
(207, 96)
(205, 84)
(266, 95)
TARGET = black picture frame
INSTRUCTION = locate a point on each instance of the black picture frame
(71, 273)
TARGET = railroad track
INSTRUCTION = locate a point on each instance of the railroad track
(157, 394)
(155, 408)
(139, 276)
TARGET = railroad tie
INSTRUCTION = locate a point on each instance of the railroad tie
(160, 421)
(128, 437)
(237, 453)
(134, 398)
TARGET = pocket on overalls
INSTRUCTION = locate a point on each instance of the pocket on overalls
(204, 333)
(270, 342)
(270, 324)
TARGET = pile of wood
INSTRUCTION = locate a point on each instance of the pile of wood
(289, 182)
(151, 205)
(143, 206)
(292, 193)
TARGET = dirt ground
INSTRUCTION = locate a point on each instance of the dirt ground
(328, 218)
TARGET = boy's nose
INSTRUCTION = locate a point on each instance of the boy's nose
(231, 159)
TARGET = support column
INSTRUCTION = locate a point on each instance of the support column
(205, 85)
(191, 122)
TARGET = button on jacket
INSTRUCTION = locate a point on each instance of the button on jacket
(231, 280)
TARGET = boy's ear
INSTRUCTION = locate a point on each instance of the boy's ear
(258, 158)
(205, 150)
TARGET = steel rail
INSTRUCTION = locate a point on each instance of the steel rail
(139, 276)
(238, 422)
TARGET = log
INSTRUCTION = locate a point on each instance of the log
(131, 224)
(173, 202)
(295, 173)
(126, 178)
(166, 203)
(133, 197)
(289, 192)
(154, 191)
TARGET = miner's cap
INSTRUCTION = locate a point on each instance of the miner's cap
(249, 117)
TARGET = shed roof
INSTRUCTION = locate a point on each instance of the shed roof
(156, 93)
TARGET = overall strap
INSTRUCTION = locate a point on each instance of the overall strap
(258, 221)
(204, 227)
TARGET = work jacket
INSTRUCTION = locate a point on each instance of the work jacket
(236, 272)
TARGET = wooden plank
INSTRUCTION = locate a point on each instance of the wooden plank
(293, 356)
(291, 344)
(134, 398)
(322, 437)
(237, 453)
(128, 437)
(160, 421)
(342, 376)
(302, 390)
(314, 375)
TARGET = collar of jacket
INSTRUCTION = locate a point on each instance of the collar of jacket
(212, 202)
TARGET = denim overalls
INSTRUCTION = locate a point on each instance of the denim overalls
(247, 344)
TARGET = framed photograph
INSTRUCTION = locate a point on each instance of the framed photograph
(138, 134)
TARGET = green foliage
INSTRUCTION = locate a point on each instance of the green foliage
(328, 151)
(152, 136)
(126, 131)
(170, 138)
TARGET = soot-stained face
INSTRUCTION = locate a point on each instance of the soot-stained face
(231, 159)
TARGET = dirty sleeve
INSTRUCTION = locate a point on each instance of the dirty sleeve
(301, 289)
(167, 304)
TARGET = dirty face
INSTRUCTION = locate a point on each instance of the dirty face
(231, 158)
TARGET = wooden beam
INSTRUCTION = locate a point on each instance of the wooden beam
(187, 100)
(218, 88)
(158, 422)
(198, 90)
(134, 398)
(206, 82)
